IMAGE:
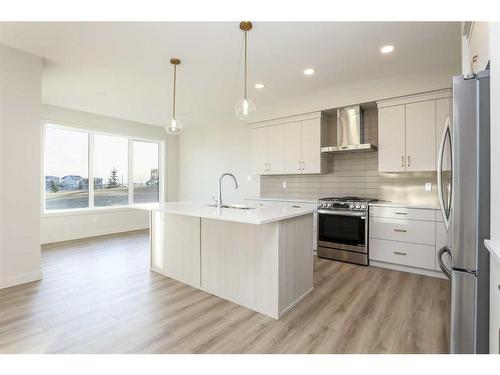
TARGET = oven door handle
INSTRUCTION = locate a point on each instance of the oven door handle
(361, 215)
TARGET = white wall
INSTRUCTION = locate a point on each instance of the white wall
(206, 152)
(62, 227)
(495, 128)
(20, 93)
(477, 45)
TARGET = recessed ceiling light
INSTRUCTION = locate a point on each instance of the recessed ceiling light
(387, 49)
(259, 86)
(309, 71)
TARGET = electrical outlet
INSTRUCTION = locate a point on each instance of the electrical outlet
(428, 186)
(284, 184)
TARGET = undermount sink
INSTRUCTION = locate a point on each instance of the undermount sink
(235, 206)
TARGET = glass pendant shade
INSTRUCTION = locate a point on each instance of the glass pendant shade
(244, 109)
(173, 127)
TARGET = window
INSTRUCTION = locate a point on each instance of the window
(66, 169)
(110, 171)
(145, 172)
(124, 170)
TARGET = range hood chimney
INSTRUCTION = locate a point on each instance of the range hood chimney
(350, 131)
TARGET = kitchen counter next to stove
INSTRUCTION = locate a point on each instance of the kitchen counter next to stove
(424, 206)
(493, 247)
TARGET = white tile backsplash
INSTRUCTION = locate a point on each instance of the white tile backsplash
(354, 174)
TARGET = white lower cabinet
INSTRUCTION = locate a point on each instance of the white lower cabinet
(406, 238)
(407, 254)
(415, 231)
(494, 305)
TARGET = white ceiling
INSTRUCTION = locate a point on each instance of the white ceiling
(122, 69)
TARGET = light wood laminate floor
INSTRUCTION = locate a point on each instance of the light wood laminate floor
(98, 296)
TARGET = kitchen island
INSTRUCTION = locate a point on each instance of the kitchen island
(257, 257)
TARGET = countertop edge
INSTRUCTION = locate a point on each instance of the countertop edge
(243, 220)
(292, 200)
(493, 247)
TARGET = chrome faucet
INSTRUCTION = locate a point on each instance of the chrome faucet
(219, 188)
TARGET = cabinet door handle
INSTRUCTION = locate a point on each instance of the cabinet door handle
(409, 161)
(399, 253)
(399, 230)
(401, 213)
(402, 161)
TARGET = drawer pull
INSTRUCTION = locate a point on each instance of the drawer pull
(399, 253)
(400, 230)
(498, 286)
(401, 213)
(296, 206)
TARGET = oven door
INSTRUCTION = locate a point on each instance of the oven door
(343, 230)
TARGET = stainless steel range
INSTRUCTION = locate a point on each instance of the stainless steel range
(343, 229)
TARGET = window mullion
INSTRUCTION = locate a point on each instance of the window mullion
(91, 170)
(130, 171)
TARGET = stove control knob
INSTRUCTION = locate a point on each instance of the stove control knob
(351, 206)
(363, 206)
(320, 204)
(358, 206)
(329, 205)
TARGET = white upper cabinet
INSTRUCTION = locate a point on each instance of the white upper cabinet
(275, 150)
(259, 150)
(311, 146)
(268, 150)
(391, 135)
(291, 147)
(410, 131)
(421, 136)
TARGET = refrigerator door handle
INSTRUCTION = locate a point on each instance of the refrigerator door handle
(445, 270)
(446, 130)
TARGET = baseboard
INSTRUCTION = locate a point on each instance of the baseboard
(23, 278)
(398, 267)
(97, 233)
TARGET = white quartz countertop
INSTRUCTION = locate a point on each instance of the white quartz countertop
(493, 247)
(292, 200)
(257, 215)
(405, 205)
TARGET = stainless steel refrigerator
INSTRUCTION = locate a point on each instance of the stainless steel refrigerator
(464, 194)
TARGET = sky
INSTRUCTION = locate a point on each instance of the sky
(66, 152)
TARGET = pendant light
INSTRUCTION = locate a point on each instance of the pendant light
(174, 126)
(245, 108)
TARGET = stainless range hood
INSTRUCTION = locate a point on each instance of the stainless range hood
(350, 131)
